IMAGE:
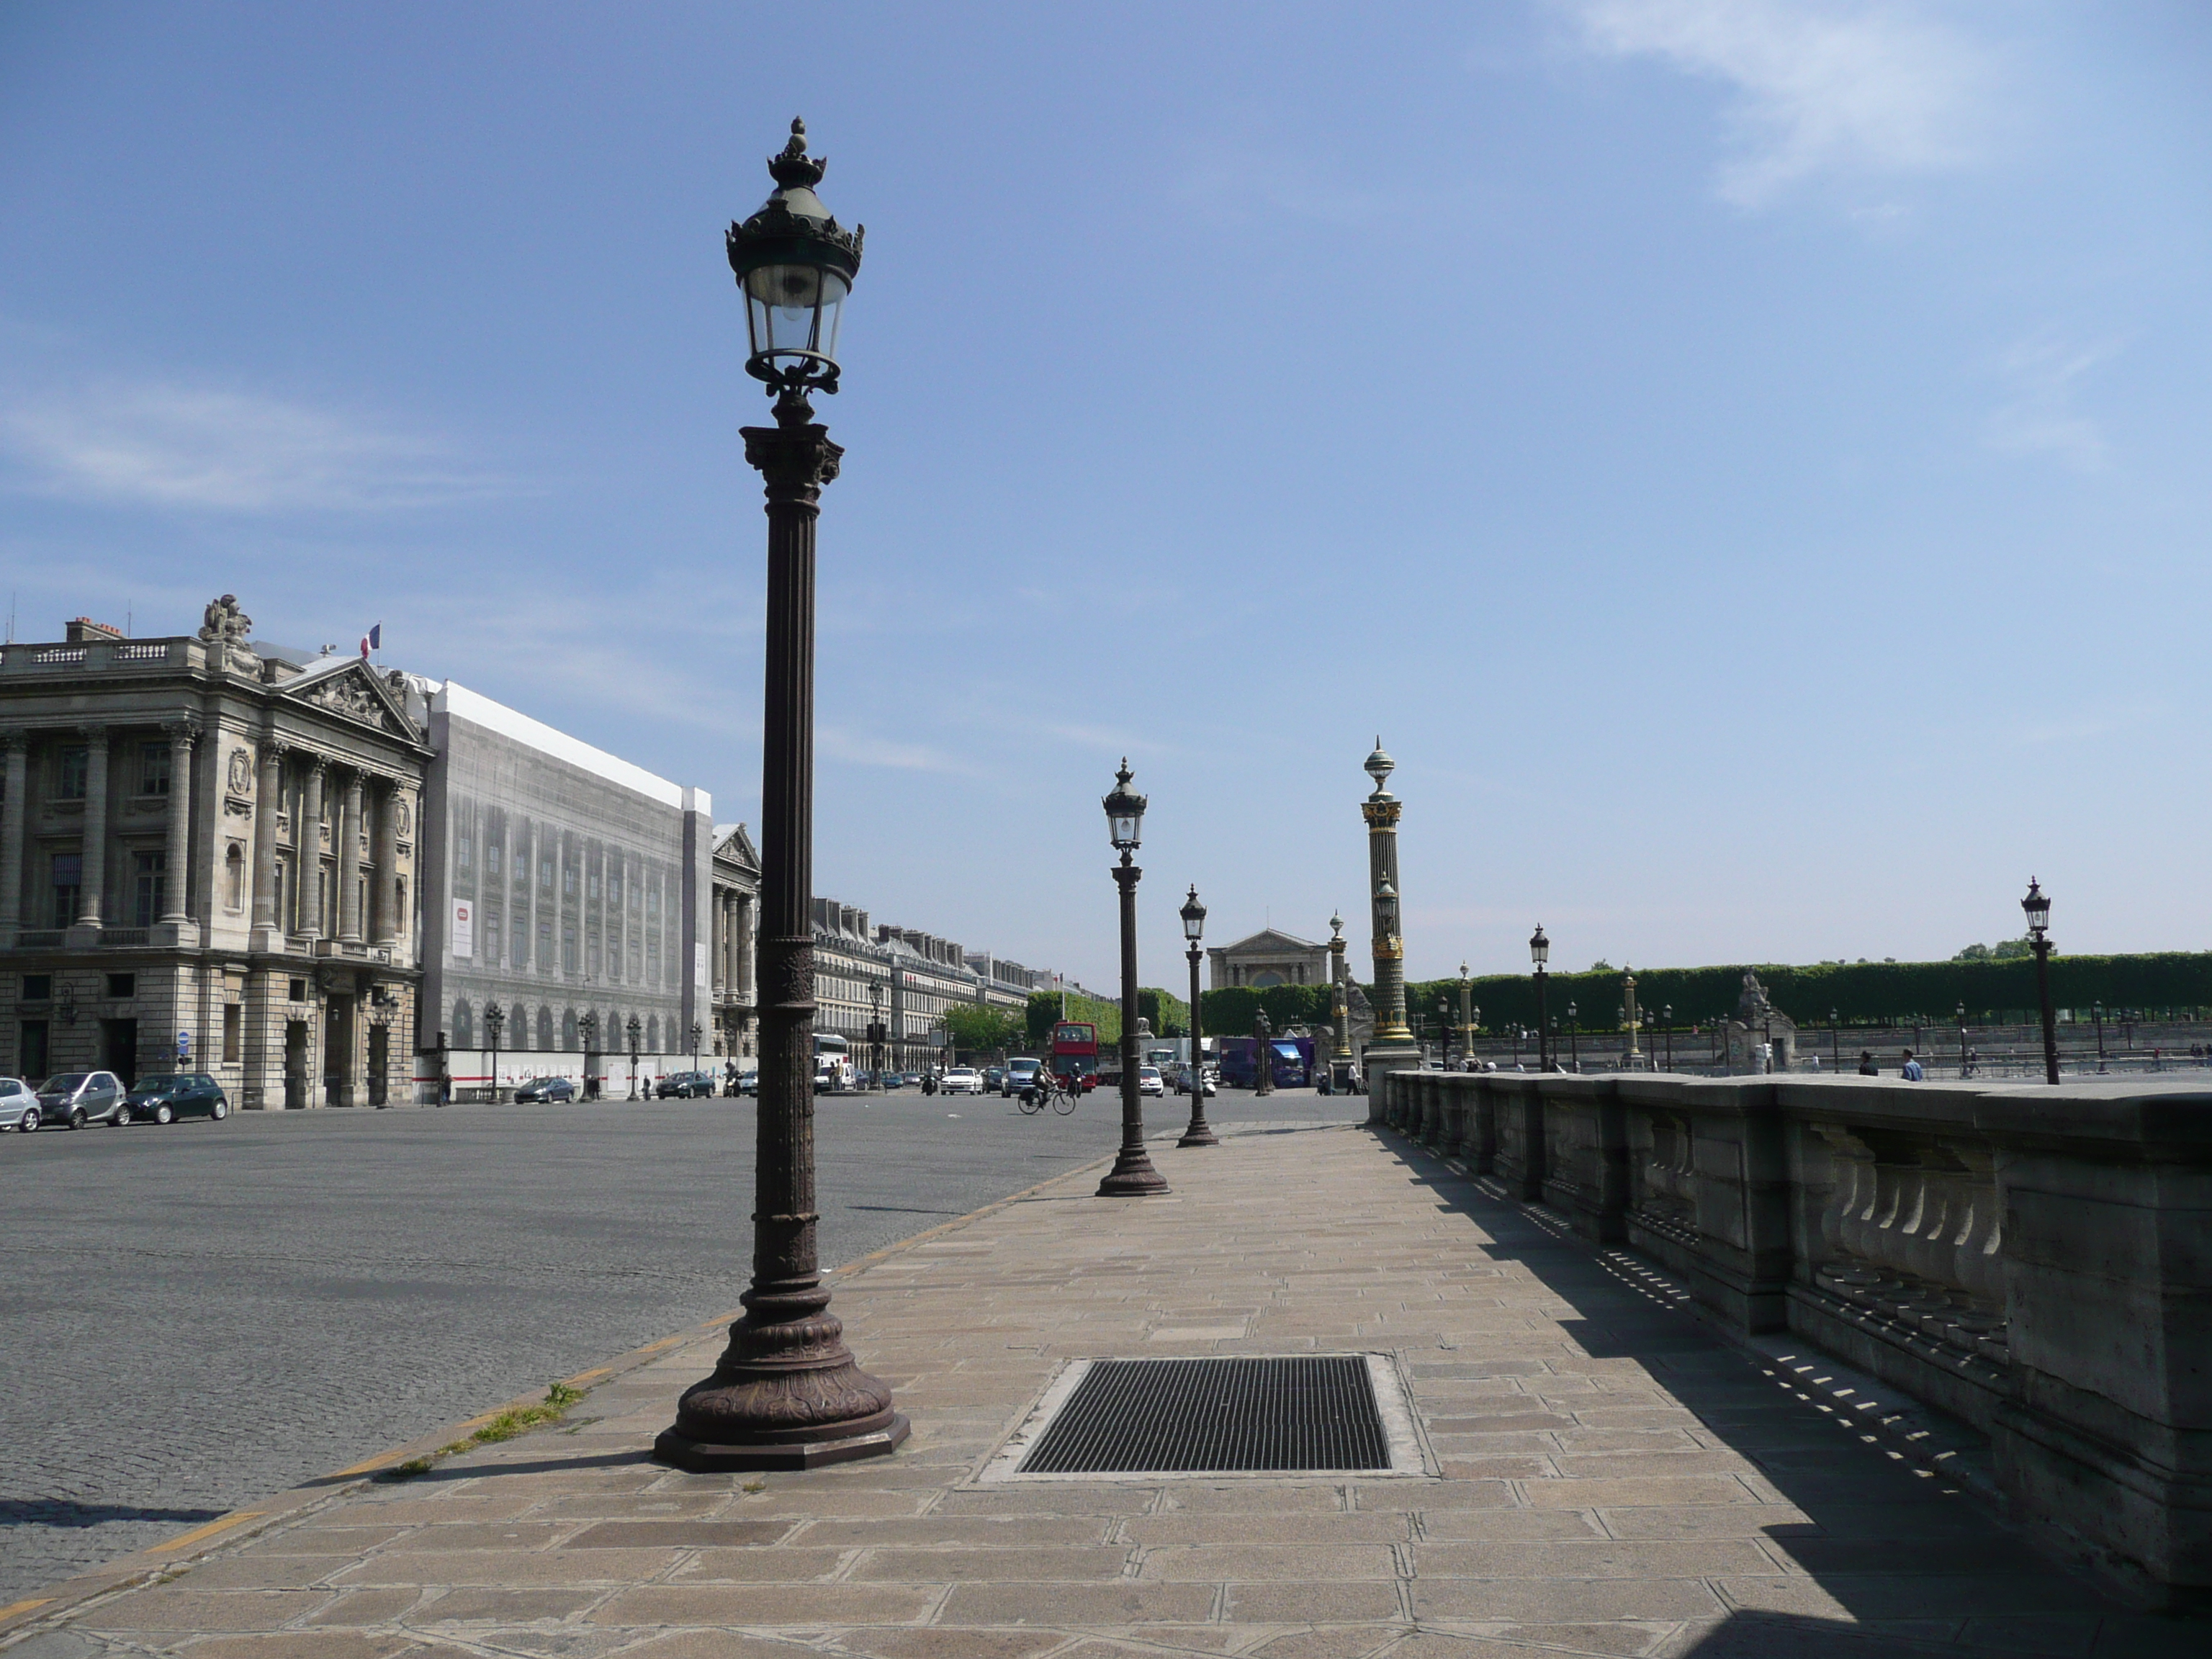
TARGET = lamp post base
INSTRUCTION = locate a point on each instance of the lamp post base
(1132, 1177)
(680, 1451)
(1200, 1133)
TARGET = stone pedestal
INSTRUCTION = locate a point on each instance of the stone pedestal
(1380, 1058)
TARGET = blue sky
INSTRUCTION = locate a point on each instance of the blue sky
(1745, 458)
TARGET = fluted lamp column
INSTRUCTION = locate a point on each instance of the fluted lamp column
(787, 1393)
(1200, 1133)
(1132, 1175)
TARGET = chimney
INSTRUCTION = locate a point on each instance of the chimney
(82, 630)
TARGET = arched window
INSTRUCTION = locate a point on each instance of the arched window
(568, 1031)
(544, 1028)
(653, 1034)
(465, 1025)
(234, 877)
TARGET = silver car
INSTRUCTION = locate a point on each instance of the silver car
(19, 1106)
(77, 1098)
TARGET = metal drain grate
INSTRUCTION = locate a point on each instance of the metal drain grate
(1195, 1416)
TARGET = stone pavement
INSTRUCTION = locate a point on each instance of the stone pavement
(1604, 1475)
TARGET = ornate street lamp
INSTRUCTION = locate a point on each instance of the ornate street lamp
(1339, 1066)
(1964, 1070)
(1667, 1015)
(787, 1393)
(1540, 952)
(1574, 1039)
(635, 1031)
(2037, 904)
(1465, 1022)
(2098, 1008)
(588, 1029)
(1132, 1175)
(876, 1033)
(1200, 1133)
(495, 1023)
(1443, 1033)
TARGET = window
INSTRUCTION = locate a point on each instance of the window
(299, 990)
(545, 872)
(594, 883)
(591, 953)
(75, 763)
(464, 1024)
(234, 877)
(653, 898)
(567, 949)
(545, 1028)
(545, 947)
(521, 957)
(38, 988)
(399, 908)
(462, 852)
(491, 938)
(122, 987)
(68, 879)
(150, 882)
(154, 769)
(653, 1034)
(614, 882)
(491, 856)
(569, 881)
(568, 1030)
(233, 1033)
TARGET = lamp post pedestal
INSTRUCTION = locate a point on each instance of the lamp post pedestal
(1132, 1175)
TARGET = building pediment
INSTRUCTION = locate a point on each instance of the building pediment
(735, 845)
(354, 692)
(1270, 941)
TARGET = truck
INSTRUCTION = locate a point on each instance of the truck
(1293, 1059)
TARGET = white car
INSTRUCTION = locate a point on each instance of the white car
(962, 1081)
(19, 1106)
(1149, 1081)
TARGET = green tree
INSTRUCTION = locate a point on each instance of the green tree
(977, 1029)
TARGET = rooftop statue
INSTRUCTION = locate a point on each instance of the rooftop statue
(222, 622)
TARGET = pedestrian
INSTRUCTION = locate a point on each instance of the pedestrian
(1866, 1067)
(1912, 1071)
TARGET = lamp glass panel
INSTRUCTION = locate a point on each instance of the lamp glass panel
(794, 307)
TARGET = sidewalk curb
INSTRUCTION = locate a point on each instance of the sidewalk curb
(50, 1607)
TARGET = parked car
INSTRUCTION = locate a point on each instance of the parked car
(1020, 1074)
(749, 1082)
(961, 1080)
(546, 1089)
(165, 1099)
(890, 1080)
(18, 1105)
(1149, 1081)
(685, 1086)
(77, 1098)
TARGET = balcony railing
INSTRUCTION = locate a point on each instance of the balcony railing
(98, 656)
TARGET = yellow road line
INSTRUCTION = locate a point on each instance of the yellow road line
(14, 1607)
(208, 1531)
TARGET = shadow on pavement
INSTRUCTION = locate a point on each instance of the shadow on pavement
(1896, 1560)
(59, 1512)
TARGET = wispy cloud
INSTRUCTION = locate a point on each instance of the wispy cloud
(161, 444)
(865, 749)
(1840, 86)
(2038, 418)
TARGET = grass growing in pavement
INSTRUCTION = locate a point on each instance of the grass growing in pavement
(516, 1419)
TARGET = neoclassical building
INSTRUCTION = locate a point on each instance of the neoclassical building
(736, 934)
(208, 856)
(1270, 956)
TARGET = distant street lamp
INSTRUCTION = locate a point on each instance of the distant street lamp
(1444, 1031)
(2038, 907)
(1835, 1044)
(1667, 1015)
(1965, 1070)
(635, 1031)
(1574, 1039)
(2098, 1007)
(787, 1393)
(1132, 1175)
(588, 1029)
(876, 1033)
(1465, 1024)
(1540, 952)
(495, 1023)
(1199, 1133)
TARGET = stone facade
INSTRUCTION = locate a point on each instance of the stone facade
(1269, 956)
(208, 851)
(573, 890)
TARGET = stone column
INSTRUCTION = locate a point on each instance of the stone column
(1392, 1048)
(384, 927)
(16, 809)
(92, 894)
(307, 851)
(178, 858)
(266, 918)
(346, 844)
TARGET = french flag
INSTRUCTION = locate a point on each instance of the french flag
(374, 640)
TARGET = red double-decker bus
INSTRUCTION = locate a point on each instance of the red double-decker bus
(1075, 1053)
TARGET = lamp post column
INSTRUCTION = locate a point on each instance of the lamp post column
(2038, 907)
(1200, 1133)
(1132, 1175)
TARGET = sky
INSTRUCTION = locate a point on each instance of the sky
(1745, 458)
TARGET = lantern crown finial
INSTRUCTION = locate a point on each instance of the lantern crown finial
(794, 168)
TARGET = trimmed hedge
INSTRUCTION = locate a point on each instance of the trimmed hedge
(1153, 1004)
(1231, 1010)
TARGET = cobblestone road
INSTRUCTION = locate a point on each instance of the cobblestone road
(196, 1315)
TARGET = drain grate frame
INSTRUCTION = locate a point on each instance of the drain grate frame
(1208, 1417)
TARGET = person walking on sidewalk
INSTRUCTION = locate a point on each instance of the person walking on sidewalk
(1912, 1071)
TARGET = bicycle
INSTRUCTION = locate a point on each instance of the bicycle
(1059, 1092)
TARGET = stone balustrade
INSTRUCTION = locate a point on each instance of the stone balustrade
(2037, 1262)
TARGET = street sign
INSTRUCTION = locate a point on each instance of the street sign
(184, 1045)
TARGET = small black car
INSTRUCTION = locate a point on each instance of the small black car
(685, 1086)
(546, 1089)
(165, 1099)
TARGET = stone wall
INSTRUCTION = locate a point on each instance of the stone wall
(2036, 1261)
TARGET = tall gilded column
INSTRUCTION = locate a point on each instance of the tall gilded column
(92, 891)
(384, 877)
(307, 851)
(1392, 1049)
(345, 844)
(176, 877)
(13, 812)
(1339, 1003)
(272, 802)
